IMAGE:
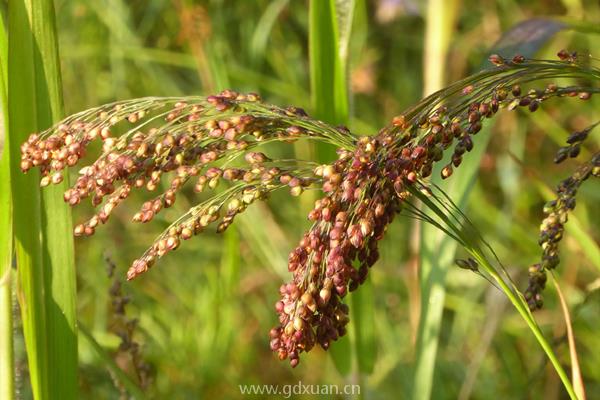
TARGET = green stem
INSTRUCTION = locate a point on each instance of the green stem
(6, 338)
(522, 308)
(509, 288)
(6, 234)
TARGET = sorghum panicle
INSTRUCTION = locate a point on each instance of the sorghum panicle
(214, 140)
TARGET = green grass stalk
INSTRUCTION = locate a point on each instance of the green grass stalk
(441, 17)
(464, 233)
(6, 324)
(41, 221)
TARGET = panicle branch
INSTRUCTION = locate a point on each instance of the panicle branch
(557, 214)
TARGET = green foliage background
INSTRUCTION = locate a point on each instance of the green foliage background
(205, 311)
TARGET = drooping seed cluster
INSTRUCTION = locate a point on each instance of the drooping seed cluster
(246, 186)
(325, 264)
(556, 215)
(214, 142)
(573, 147)
(335, 255)
(208, 141)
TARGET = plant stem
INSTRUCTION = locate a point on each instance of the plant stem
(431, 266)
(7, 388)
(6, 236)
(523, 310)
(505, 284)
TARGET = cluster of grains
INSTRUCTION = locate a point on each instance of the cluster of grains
(192, 138)
(453, 116)
(556, 216)
(247, 186)
(364, 189)
(335, 255)
(214, 140)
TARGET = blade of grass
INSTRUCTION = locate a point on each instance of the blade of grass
(266, 239)
(329, 34)
(42, 221)
(328, 84)
(352, 18)
(59, 261)
(7, 390)
(495, 309)
(115, 14)
(363, 311)
(264, 26)
(26, 201)
(441, 18)
(435, 251)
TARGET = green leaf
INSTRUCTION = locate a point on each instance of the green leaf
(330, 26)
(41, 220)
(437, 255)
(327, 67)
(261, 34)
(527, 37)
(6, 324)
(363, 311)
(436, 250)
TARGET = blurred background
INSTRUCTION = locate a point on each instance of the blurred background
(205, 312)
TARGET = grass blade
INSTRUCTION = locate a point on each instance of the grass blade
(436, 251)
(528, 36)
(46, 271)
(365, 343)
(59, 283)
(330, 24)
(260, 37)
(6, 323)
(441, 17)
(328, 84)
(26, 202)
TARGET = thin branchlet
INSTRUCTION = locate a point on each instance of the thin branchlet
(217, 141)
(125, 327)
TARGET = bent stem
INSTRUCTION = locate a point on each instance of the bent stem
(454, 222)
(519, 303)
